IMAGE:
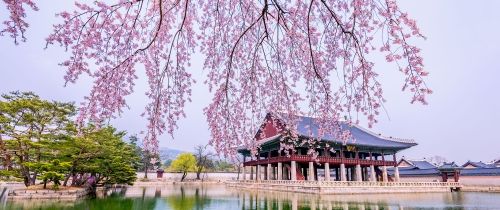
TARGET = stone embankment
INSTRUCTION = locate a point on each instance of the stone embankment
(69, 194)
(495, 189)
(346, 187)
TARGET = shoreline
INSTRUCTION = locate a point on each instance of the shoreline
(17, 191)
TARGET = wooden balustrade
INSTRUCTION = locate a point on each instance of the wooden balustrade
(346, 183)
(321, 159)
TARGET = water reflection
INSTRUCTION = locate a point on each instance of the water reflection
(183, 201)
(215, 197)
(291, 201)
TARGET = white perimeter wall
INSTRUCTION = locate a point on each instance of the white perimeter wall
(465, 180)
(421, 179)
(480, 180)
(191, 176)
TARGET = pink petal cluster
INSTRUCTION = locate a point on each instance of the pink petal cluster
(16, 26)
(289, 58)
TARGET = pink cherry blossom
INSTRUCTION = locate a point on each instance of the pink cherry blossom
(287, 58)
(16, 26)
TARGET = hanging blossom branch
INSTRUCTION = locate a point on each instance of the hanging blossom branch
(260, 57)
(16, 26)
(108, 41)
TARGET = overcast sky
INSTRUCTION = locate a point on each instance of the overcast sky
(462, 53)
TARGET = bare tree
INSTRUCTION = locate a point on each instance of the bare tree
(203, 156)
(237, 161)
(437, 160)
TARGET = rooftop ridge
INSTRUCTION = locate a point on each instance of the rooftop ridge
(394, 139)
(422, 159)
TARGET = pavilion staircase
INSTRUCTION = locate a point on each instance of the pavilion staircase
(300, 176)
(379, 175)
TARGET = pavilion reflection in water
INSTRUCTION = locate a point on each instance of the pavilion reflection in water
(255, 201)
(215, 196)
(199, 197)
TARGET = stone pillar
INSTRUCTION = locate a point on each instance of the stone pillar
(244, 172)
(327, 171)
(280, 171)
(373, 176)
(384, 174)
(365, 174)
(396, 174)
(293, 170)
(343, 176)
(269, 170)
(310, 173)
(359, 178)
(258, 172)
(396, 169)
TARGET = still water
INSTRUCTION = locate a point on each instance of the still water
(218, 197)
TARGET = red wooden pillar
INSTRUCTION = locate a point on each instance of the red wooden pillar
(394, 159)
(341, 155)
(445, 177)
(456, 175)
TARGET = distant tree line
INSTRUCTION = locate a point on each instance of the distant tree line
(40, 142)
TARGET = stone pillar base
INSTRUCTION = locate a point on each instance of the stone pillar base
(343, 176)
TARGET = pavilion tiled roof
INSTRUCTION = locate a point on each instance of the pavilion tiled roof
(480, 172)
(451, 165)
(423, 164)
(479, 164)
(362, 137)
(415, 172)
(417, 164)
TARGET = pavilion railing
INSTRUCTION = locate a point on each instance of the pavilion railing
(346, 183)
(321, 159)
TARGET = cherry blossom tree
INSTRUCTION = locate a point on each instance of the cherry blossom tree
(261, 56)
(15, 25)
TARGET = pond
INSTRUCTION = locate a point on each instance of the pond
(218, 197)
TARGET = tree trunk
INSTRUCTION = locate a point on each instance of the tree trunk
(239, 170)
(7, 161)
(146, 166)
(198, 172)
(26, 175)
(26, 181)
(33, 179)
(70, 174)
(183, 176)
(44, 184)
(25, 171)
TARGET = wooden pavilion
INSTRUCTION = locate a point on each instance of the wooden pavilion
(364, 158)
